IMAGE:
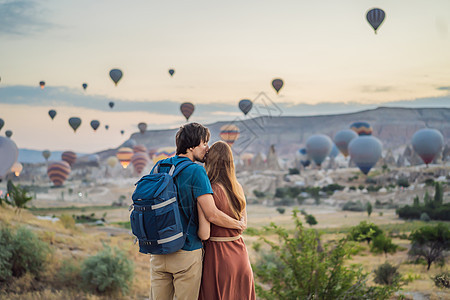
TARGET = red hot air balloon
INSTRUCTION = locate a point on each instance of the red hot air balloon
(187, 109)
(140, 148)
(139, 160)
(69, 157)
(277, 84)
(229, 133)
(58, 172)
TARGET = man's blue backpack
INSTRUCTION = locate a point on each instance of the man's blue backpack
(155, 219)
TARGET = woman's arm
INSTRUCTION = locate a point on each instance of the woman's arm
(244, 212)
(203, 224)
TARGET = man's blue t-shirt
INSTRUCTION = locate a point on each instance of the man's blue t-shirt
(191, 183)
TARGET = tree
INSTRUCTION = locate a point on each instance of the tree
(18, 195)
(364, 232)
(431, 243)
(416, 201)
(438, 194)
(387, 274)
(311, 220)
(369, 208)
(298, 266)
(383, 244)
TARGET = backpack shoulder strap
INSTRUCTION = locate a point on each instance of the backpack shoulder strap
(180, 167)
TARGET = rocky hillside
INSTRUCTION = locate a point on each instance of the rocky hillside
(393, 126)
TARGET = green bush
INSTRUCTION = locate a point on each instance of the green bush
(259, 194)
(299, 266)
(281, 210)
(293, 171)
(108, 272)
(387, 274)
(69, 274)
(442, 280)
(21, 252)
(67, 221)
(353, 206)
(403, 182)
(425, 217)
(364, 232)
(383, 244)
(311, 220)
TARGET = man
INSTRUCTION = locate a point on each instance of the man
(180, 273)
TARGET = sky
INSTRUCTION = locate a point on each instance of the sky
(328, 56)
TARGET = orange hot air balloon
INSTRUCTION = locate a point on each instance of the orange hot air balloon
(17, 168)
(229, 133)
(163, 153)
(124, 155)
(69, 157)
(247, 158)
(139, 161)
(58, 172)
(42, 84)
(139, 148)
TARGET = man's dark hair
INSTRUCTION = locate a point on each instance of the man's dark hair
(190, 136)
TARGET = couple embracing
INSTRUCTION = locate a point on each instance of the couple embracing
(219, 267)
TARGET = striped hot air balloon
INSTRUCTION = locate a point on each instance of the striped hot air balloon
(69, 157)
(375, 17)
(124, 155)
(163, 153)
(139, 161)
(58, 172)
(229, 133)
(277, 84)
(187, 108)
(152, 152)
(361, 128)
(247, 158)
(139, 148)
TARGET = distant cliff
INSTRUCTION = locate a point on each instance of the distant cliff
(393, 126)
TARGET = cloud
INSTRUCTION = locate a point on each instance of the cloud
(21, 17)
(376, 89)
(444, 88)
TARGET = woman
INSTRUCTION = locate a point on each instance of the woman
(227, 273)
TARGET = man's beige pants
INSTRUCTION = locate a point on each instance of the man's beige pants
(178, 274)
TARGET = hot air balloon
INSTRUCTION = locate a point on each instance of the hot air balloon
(58, 172)
(365, 151)
(94, 159)
(142, 127)
(171, 72)
(115, 75)
(129, 143)
(17, 168)
(122, 132)
(124, 155)
(318, 147)
(42, 84)
(139, 161)
(69, 157)
(140, 148)
(303, 157)
(229, 133)
(112, 161)
(84, 85)
(52, 113)
(245, 106)
(111, 104)
(2, 123)
(106, 127)
(427, 143)
(361, 128)
(46, 154)
(277, 84)
(375, 17)
(334, 151)
(343, 138)
(8, 133)
(163, 153)
(95, 124)
(8, 155)
(187, 109)
(152, 152)
(74, 122)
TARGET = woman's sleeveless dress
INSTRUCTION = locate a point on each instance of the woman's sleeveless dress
(227, 273)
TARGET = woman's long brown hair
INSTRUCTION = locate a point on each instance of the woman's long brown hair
(220, 169)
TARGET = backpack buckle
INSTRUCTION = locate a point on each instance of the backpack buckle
(130, 208)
